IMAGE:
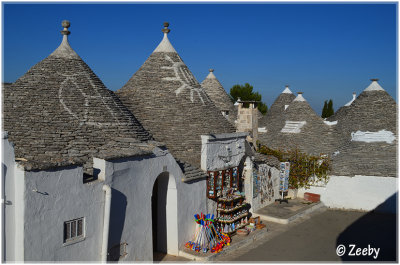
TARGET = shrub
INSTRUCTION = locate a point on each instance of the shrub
(305, 170)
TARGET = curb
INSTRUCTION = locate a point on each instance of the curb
(291, 218)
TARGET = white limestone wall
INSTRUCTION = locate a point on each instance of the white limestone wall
(8, 197)
(53, 197)
(358, 193)
(132, 181)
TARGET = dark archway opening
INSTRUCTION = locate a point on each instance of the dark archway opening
(159, 216)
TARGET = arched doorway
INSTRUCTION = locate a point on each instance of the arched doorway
(165, 215)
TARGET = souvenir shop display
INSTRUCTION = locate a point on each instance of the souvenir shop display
(207, 237)
(232, 212)
(283, 181)
(220, 181)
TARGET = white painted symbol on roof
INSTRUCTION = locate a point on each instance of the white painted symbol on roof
(65, 87)
(373, 137)
(183, 75)
(293, 126)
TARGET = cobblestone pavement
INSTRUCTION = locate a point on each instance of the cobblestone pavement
(315, 238)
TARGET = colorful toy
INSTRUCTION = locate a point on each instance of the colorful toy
(206, 236)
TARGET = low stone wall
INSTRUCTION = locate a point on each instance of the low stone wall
(358, 193)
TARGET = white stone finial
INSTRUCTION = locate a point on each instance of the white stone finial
(211, 74)
(65, 50)
(66, 24)
(287, 90)
(374, 86)
(165, 45)
(299, 97)
(166, 30)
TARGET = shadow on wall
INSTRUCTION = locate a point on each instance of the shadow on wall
(373, 230)
(3, 195)
(117, 220)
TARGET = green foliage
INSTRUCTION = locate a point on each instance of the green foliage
(327, 110)
(305, 170)
(245, 92)
(330, 110)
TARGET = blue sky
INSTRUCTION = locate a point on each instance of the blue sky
(325, 50)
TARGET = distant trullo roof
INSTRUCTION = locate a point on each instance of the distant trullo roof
(60, 113)
(165, 96)
(367, 135)
(273, 120)
(300, 127)
(218, 95)
(342, 111)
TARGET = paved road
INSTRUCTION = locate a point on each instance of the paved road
(316, 238)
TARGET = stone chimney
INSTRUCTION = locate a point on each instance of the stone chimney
(247, 120)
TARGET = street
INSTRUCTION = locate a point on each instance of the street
(316, 238)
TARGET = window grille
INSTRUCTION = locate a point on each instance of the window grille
(73, 230)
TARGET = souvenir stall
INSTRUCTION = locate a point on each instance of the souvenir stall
(232, 209)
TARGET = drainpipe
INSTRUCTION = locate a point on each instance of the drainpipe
(106, 223)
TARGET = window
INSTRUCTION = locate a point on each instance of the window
(74, 230)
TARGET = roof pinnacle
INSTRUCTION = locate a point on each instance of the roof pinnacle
(66, 25)
(374, 79)
(211, 70)
(166, 30)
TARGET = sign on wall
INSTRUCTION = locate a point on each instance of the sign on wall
(256, 183)
(284, 176)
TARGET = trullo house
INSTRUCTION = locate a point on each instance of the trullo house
(299, 127)
(273, 120)
(366, 135)
(219, 97)
(83, 180)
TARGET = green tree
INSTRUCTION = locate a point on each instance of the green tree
(245, 92)
(324, 110)
(330, 110)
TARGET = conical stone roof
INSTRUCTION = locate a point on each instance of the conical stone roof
(218, 96)
(277, 108)
(273, 121)
(60, 113)
(302, 128)
(342, 111)
(165, 96)
(367, 135)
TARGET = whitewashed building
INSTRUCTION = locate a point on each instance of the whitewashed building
(83, 180)
(83, 177)
(364, 160)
